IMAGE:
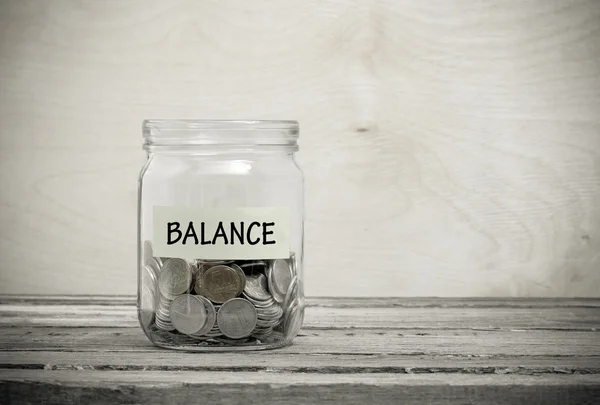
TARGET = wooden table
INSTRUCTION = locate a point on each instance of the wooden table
(80, 349)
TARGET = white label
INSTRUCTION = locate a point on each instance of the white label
(227, 233)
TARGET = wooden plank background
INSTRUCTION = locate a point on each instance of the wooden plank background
(65, 350)
(450, 147)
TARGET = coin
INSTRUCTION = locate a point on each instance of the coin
(221, 283)
(175, 278)
(241, 276)
(259, 304)
(147, 306)
(271, 312)
(292, 293)
(262, 332)
(199, 281)
(256, 287)
(193, 266)
(188, 314)
(148, 277)
(267, 322)
(211, 317)
(280, 277)
(155, 265)
(167, 327)
(237, 318)
(293, 321)
(214, 262)
(293, 260)
(163, 313)
(147, 251)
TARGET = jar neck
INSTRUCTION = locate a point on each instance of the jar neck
(211, 137)
(220, 150)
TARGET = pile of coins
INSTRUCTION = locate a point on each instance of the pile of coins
(228, 301)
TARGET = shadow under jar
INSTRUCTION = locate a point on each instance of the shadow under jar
(220, 235)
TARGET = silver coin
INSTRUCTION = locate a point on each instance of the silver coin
(280, 279)
(214, 262)
(275, 308)
(193, 266)
(155, 265)
(163, 316)
(164, 300)
(267, 321)
(260, 303)
(262, 333)
(292, 294)
(256, 287)
(198, 281)
(264, 323)
(241, 276)
(165, 320)
(158, 318)
(188, 314)
(215, 331)
(148, 277)
(147, 298)
(269, 315)
(147, 306)
(277, 296)
(293, 321)
(221, 283)
(147, 252)
(200, 290)
(211, 317)
(293, 260)
(237, 318)
(262, 330)
(175, 278)
(269, 311)
(164, 304)
(166, 326)
(163, 312)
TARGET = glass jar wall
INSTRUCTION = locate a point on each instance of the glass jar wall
(220, 235)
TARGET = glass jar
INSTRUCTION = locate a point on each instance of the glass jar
(220, 235)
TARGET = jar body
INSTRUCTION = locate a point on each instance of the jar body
(220, 246)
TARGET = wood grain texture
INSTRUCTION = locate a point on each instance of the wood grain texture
(348, 313)
(328, 363)
(450, 148)
(70, 387)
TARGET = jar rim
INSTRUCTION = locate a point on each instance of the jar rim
(179, 124)
(190, 132)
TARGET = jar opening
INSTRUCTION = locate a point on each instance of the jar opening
(187, 132)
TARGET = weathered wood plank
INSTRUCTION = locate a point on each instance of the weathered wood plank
(339, 302)
(331, 341)
(568, 318)
(351, 351)
(285, 362)
(151, 387)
